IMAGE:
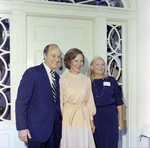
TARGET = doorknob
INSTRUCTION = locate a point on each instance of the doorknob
(61, 65)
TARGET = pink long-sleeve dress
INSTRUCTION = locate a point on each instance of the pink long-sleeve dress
(78, 108)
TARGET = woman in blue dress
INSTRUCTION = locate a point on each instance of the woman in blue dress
(109, 105)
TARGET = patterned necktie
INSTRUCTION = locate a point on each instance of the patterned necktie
(54, 89)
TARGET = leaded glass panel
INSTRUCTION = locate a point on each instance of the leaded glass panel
(114, 52)
(5, 100)
(109, 3)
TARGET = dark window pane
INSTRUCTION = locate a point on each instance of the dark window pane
(115, 3)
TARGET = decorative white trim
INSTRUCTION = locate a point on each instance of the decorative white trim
(18, 11)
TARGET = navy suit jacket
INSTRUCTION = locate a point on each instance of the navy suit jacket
(35, 106)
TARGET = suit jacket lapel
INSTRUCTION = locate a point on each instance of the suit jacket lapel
(45, 80)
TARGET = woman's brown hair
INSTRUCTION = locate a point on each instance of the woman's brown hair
(70, 55)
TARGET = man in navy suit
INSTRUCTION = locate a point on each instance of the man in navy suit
(38, 115)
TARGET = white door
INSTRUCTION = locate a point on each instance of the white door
(65, 32)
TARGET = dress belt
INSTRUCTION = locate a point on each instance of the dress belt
(76, 107)
(108, 105)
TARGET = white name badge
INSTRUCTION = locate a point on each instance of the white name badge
(106, 83)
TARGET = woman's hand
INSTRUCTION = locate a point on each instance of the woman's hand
(121, 125)
(92, 126)
(120, 112)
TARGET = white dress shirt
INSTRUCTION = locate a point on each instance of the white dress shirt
(48, 70)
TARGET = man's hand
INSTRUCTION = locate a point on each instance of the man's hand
(24, 134)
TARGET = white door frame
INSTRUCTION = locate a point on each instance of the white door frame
(18, 11)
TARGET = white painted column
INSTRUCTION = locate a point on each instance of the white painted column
(18, 58)
(132, 86)
(102, 35)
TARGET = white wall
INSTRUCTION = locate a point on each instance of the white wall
(143, 71)
(143, 62)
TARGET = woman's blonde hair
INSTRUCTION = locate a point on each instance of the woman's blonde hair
(90, 72)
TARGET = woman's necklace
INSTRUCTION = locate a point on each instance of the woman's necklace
(98, 96)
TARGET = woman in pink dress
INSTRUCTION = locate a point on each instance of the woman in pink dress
(77, 104)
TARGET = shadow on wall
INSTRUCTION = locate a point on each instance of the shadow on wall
(124, 131)
(85, 67)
